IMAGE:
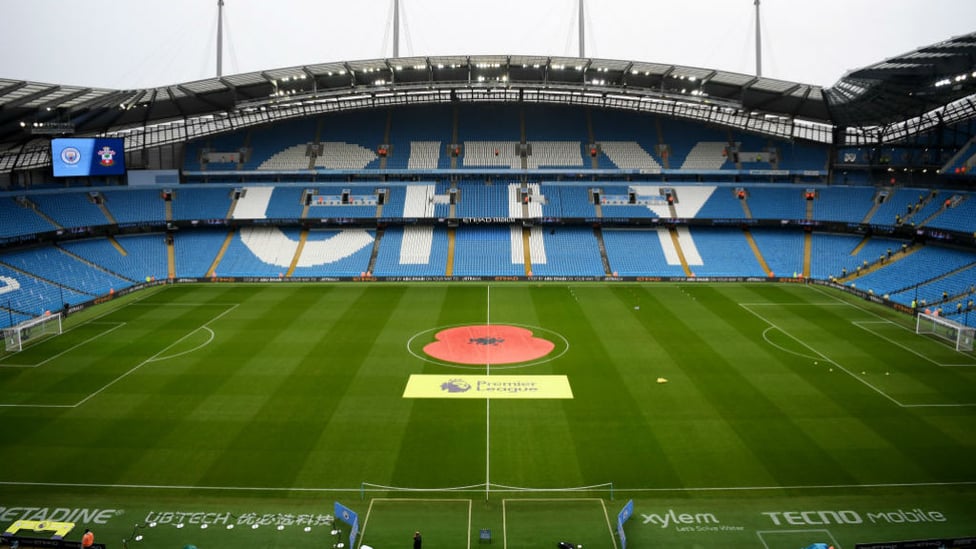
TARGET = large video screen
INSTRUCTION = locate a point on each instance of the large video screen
(79, 157)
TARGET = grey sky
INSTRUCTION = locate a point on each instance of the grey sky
(142, 43)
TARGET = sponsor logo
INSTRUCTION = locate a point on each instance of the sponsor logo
(509, 387)
(58, 514)
(456, 385)
(688, 522)
(245, 519)
(847, 516)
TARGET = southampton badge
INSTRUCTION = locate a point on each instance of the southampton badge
(107, 156)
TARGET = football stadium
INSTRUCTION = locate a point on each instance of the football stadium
(503, 300)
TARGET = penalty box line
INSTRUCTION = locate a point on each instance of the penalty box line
(763, 541)
(844, 369)
(155, 356)
(819, 354)
(603, 506)
(369, 510)
(116, 326)
(860, 324)
(125, 374)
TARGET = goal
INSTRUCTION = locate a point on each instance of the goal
(14, 337)
(959, 334)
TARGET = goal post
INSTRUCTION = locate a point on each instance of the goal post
(959, 334)
(14, 337)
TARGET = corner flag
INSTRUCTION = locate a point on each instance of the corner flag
(622, 517)
(350, 517)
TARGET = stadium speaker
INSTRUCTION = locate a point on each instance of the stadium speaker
(345, 196)
(596, 197)
(381, 198)
(632, 197)
(453, 196)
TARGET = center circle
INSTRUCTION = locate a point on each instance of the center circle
(495, 345)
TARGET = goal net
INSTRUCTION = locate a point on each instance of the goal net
(14, 337)
(959, 334)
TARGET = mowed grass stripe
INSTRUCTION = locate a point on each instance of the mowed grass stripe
(443, 444)
(614, 439)
(908, 433)
(736, 412)
(179, 437)
(102, 439)
(365, 415)
(915, 380)
(539, 431)
(837, 417)
(695, 438)
(264, 401)
(776, 440)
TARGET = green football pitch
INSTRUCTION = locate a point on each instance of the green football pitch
(733, 415)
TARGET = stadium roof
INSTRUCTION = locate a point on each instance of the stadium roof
(893, 90)
(907, 85)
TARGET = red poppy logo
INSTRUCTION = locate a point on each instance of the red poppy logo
(484, 344)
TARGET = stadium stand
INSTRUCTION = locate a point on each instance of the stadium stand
(335, 252)
(724, 253)
(639, 252)
(565, 251)
(71, 272)
(196, 250)
(133, 257)
(20, 217)
(70, 210)
(412, 251)
(925, 264)
(850, 204)
(782, 250)
(280, 146)
(488, 250)
(195, 202)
